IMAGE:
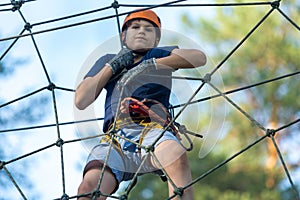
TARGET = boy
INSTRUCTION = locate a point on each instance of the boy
(130, 116)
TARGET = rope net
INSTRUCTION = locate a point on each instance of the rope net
(64, 142)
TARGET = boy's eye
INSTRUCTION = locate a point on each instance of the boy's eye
(149, 29)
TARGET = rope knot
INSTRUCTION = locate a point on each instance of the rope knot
(275, 4)
(149, 148)
(51, 86)
(270, 132)
(65, 197)
(27, 26)
(2, 163)
(96, 193)
(115, 4)
(207, 77)
(179, 191)
(16, 5)
(59, 142)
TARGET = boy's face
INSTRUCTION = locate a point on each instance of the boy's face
(140, 36)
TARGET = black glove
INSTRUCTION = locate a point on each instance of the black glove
(123, 59)
(145, 67)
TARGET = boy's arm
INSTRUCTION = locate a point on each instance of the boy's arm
(182, 58)
(90, 88)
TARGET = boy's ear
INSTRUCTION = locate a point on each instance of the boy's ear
(156, 42)
(123, 37)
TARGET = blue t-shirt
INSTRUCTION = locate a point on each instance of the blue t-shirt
(156, 86)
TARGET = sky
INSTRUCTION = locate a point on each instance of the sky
(64, 53)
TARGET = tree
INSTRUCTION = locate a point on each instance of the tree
(271, 51)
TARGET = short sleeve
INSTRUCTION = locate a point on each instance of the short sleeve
(99, 64)
(159, 52)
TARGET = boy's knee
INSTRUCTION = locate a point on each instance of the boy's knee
(169, 152)
(84, 188)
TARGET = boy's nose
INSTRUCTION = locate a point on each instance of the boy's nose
(141, 30)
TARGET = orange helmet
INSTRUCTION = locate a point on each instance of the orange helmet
(144, 14)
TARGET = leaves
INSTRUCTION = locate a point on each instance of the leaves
(271, 51)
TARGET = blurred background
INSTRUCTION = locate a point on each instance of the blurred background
(253, 51)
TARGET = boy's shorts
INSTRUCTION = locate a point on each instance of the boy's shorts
(125, 161)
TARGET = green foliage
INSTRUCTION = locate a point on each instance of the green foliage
(243, 178)
(272, 50)
(149, 186)
(211, 193)
(269, 52)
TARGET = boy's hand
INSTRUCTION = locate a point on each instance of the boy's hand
(144, 67)
(123, 59)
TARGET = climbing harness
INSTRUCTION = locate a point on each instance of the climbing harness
(135, 111)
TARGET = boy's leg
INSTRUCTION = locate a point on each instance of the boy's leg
(90, 183)
(172, 156)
